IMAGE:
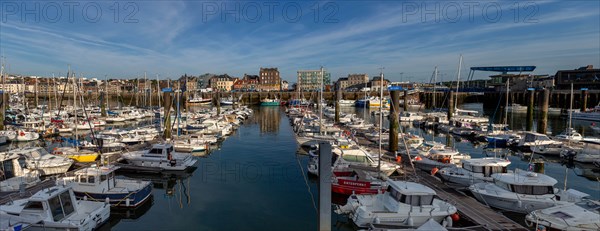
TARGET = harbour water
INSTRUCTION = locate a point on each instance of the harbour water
(256, 180)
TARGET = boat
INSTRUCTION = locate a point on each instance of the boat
(523, 191)
(37, 158)
(97, 183)
(474, 171)
(402, 204)
(57, 208)
(517, 108)
(13, 177)
(439, 158)
(346, 103)
(549, 149)
(25, 136)
(410, 116)
(194, 143)
(531, 139)
(587, 115)
(360, 182)
(9, 134)
(346, 159)
(269, 102)
(79, 155)
(199, 100)
(583, 215)
(161, 157)
(588, 154)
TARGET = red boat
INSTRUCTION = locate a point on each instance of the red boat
(348, 185)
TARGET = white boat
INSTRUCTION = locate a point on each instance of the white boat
(10, 135)
(37, 158)
(474, 171)
(346, 103)
(162, 157)
(12, 176)
(346, 159)
(523, 192)
(588, 115)
(100, 184)
(410, 116)
(25, 136)
(548, 149)
(588, 154)
(580, 216)
(570, 135)
(56, 208)
(194, 143)
(517, 108)
(531, 139)
(403, 204)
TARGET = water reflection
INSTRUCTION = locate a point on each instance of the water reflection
(269, 119)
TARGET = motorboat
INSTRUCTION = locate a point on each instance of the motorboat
(194, 143)
(474, 171)
(98, 183)
(439, 159)
(347, 159)
(588, 154)
(25, 136)
(531, 139)
(402, 204)
(57, 208)
(523, 192)
(360, 182)
(569, 135)
(79, 155)
(37, 158)
(346, 103)
(13, 177)
(161, 157)
(410, 116)
(583, 215)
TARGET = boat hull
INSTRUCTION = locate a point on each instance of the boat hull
(127, 199)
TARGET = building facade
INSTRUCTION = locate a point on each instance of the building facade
(583, 77)
(246, 83)
(341, 83)
(222, 83)
(310, 80)
(376, 84)
(357, 80)
(269, 79)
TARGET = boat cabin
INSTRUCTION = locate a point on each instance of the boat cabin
(409, 193)
(523, 182)
(486, 166)
(93, 176)
(53, 204)
(160, 151)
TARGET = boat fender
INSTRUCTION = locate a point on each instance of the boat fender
(434, 170)
(455, 217)
(409, 221)
(377, 220)
(447, 222)
(519, 204)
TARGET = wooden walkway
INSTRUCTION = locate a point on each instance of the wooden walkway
(469, 207)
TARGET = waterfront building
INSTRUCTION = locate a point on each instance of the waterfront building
(583, 77)
(246, 83)
(376, 83)
(269, 79)
(341, 83)
(222, 83)
(310, 80)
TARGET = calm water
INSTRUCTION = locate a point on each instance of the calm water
(255, 180)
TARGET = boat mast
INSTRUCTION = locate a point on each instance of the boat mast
(458, 81)
(571, 107)
(380, 116)
(75, 111)
(319, 103)
(435, 73)
(506, 104)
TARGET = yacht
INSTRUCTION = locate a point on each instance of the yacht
(474, 171)
(37, 158)
(522, 192)
(403, 204)
(346, 159)
(161, 157)
(56, 208)
(583, 215)
(13, 177)
(439, 159)
(100, 184)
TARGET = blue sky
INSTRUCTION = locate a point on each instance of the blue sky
(410, 37)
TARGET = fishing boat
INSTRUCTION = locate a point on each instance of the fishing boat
(57, 208)
(403, 204)
(100, 184)
(474, 171)
(13, 177)
(160, 157)
(37, 158)
(523, 191)
(580, 216)
(269, 102)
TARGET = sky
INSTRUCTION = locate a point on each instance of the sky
(405, 40)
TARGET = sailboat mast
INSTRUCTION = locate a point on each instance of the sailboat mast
(571, 107)
(75, 111)
(319, 103)
(506, 104)
(458, 81)
(380, 116)
(435, 73)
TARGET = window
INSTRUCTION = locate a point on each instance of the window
(67, 204)
(83, 179)
(91, 179)
(34, 205)
(102, 177)
(533, 190)
(155, 151)
(56, 209)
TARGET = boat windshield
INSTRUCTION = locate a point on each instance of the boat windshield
(61, 206)
(532, 190)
